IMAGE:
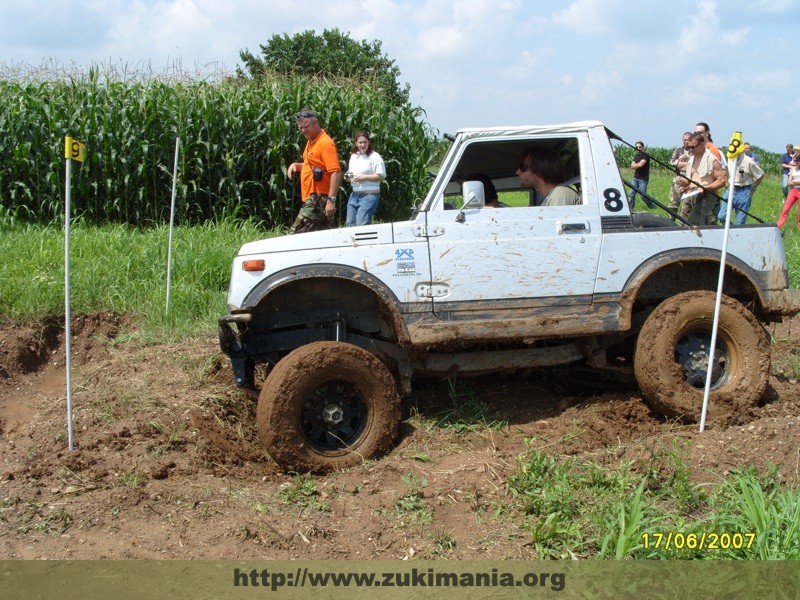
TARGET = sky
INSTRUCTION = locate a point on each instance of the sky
(649, 70)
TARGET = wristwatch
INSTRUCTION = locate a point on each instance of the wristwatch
(332, 199)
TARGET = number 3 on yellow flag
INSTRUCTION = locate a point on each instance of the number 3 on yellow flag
(73, 149)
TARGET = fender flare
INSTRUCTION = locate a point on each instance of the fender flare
(370, 283)
(658, 261)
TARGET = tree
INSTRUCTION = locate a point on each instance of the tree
(333, 53)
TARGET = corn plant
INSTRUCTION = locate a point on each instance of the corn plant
(237, 137)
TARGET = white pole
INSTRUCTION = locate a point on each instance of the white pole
(732, 168)
(172, 219)
(67, 318)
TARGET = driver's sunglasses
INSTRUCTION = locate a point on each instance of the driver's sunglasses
(522, 167)
(690, 146)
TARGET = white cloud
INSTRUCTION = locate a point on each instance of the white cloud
(474, 62)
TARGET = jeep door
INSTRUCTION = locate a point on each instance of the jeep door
(508, 261)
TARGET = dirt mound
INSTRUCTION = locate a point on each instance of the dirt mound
(27, 347)
(168, 462)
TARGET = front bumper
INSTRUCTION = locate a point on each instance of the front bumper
(230, 343)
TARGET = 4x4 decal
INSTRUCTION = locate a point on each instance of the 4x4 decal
(404, 257)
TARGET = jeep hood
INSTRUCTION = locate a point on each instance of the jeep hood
(331, 238)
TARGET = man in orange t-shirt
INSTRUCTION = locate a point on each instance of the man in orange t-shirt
(320, 176)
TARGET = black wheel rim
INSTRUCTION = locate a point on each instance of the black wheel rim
(691, 353)
(333, 416)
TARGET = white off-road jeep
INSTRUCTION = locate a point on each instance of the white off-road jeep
(346, 318)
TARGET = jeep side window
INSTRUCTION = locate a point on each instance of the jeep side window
(496, 164)
(549, 169)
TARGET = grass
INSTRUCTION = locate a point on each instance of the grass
(789, 365)
(571, 508)
(121, 269)
(466, 411)
(578, 509)
(303, 494)
(410, 508)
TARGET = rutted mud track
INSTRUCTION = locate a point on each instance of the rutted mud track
(168, 462)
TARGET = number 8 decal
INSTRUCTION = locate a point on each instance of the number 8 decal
(613, 201)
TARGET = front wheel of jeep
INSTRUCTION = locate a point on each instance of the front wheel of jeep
(328, 406)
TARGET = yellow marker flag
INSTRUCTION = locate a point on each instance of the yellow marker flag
(736, 147)
(73, 149)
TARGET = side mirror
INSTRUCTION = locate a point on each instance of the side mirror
(474, 196)
(472, 192)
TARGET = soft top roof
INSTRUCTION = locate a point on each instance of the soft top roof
(498, 156)
(526, 130)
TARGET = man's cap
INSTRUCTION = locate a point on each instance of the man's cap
(306, 113)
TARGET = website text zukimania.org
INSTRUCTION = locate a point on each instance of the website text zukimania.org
(420, 578)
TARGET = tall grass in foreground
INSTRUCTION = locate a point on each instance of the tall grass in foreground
(578, 509)
(599, 507)
(123, 269)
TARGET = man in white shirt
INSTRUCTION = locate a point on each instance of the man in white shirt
(748, 176)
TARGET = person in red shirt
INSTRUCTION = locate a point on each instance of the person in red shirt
(794, 191)
(320, 176)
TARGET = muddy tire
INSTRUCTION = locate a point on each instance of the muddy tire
(671, 359)
(328, 406)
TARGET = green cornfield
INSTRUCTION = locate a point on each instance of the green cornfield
(236, 138)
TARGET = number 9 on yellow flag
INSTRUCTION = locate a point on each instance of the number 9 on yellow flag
(73, 149)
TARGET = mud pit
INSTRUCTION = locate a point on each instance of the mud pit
(168, 462)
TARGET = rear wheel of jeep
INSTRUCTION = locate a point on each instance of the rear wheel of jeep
(672, 353)
(328, 406)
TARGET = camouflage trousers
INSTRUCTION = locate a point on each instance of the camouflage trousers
(312, 216)
(675, 197)
(698, 209)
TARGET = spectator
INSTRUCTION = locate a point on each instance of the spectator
(793, 182)
(786, 164)
(541, 169)
(641, 175)
(320, 176)
(703, 174)
(680, 156)
(748, 151)
(490, 197)
(365, 172)
(703, 128)
(748, 176)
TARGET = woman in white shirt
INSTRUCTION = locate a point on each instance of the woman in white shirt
(365, 173)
